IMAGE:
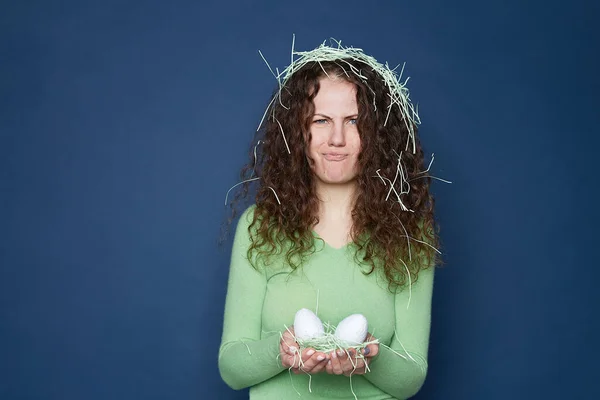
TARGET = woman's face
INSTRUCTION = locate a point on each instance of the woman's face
(335, 142)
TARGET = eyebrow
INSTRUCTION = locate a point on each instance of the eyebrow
(328, 117)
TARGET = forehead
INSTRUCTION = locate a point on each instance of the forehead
(336, 95)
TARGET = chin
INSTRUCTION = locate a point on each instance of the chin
(335, 177)
(338, 180)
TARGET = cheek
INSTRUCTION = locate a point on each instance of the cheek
(312, 150)
(356, 145)
(316, 142)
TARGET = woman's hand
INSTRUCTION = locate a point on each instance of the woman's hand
(312, 361)
(346, 362)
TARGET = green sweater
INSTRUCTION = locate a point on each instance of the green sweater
(261, 303)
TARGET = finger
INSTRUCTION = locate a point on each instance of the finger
(284, 345)
(290, 362)
(329, 367)
(336, 366)
(371, 350)
(301, 358)
(351, 354)
(290, 345)
(306, 356)
(349, 362)
(342, 356)
(322, 365)
(289, 332)
(313, 360)
(287, 353)
(356, 367)
(288, 337)
(317, 363)
(283, 355)
(365, 365)
(293, 361)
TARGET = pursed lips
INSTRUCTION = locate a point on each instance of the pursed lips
(335, 156)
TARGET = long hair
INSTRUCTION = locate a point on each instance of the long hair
(393, 215)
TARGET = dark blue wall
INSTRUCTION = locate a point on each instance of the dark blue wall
(123, 124)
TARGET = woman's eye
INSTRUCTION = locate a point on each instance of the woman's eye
(353, 121)
(320, 121)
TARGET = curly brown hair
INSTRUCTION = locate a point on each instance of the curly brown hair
(382, 233)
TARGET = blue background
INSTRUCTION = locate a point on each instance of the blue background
(123, 124)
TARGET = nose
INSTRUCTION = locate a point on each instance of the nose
(337, 136)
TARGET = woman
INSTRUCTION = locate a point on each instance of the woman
(343, 221)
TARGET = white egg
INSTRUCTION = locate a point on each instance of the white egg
(352, 330)
(307, 325)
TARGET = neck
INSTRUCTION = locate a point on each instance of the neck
(336, 201)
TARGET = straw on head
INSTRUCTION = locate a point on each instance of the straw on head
(398, 92)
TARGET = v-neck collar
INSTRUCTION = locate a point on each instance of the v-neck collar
(329, 246)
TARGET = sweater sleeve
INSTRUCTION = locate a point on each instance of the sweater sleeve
(402, 375)
(244, 358)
